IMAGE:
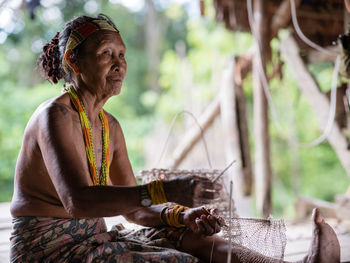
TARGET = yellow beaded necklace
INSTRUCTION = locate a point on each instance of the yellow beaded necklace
(101, 178)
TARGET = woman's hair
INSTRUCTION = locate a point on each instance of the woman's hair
(50, 59)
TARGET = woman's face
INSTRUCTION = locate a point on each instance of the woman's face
(101, 63)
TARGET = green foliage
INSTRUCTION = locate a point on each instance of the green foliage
(16, 106)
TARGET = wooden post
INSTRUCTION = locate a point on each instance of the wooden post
(235, 136)
(242, 126)
(263, 175)
(153, 31)
(230, 130)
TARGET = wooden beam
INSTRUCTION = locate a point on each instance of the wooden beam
(263, 174)
(317, 100)
(282, 16)
(316, 57)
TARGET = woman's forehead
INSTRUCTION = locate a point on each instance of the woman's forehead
(102, 37)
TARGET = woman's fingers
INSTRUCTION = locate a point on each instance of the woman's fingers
(205, 198)
(207, 184)
(194, 190)
(219, 219)
(210, 225)
(205, 192)
(204, 221)
(209, 195)
(213, 221)
(199, 226)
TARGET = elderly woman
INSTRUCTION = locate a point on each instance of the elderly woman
(73, 170)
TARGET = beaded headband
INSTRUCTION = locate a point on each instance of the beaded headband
(78, 35)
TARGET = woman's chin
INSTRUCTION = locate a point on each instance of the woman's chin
(116, 90)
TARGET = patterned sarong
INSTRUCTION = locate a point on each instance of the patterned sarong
(43, 239)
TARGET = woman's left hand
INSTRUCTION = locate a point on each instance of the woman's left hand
(203, 221)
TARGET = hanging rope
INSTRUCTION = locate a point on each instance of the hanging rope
(301, 34)
(261, 69)
(332, 108)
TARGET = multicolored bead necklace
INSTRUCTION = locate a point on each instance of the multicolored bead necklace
(99, 178)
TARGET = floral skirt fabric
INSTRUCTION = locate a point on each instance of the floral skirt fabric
(43, 239)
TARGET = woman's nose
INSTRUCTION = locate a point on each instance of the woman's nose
(115, 67)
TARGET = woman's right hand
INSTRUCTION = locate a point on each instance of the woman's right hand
(191, 191)
(203, 221)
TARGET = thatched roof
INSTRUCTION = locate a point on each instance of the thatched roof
(320, 20)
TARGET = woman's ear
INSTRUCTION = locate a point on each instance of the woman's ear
(73, 63)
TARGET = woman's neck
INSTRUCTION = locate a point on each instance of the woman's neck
(93, 102)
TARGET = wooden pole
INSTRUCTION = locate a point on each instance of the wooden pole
(153, 34)
(235, 136)
(242, 125)
(263, 175)
(229, 120)
(235, 132)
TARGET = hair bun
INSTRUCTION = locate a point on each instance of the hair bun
(49, 60)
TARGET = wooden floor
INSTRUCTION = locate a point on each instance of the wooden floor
(298, 236)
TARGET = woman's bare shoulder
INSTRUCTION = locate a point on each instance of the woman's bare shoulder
(114, 125)
(111, 119)
(55, 108)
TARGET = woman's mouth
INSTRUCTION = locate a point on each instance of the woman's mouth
(116, 78)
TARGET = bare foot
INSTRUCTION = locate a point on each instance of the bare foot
(325, 246)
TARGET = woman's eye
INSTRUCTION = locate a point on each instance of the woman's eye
(121, 55)
(106, 52)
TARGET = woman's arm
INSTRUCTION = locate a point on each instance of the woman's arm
(66, 165)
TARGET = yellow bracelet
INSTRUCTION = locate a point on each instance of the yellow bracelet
(157, 193)
(173, 215)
